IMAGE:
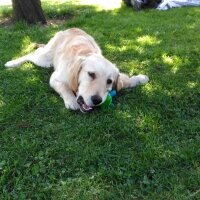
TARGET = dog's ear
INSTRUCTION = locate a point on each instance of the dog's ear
(122, 81)
(75, 68)
(119, 85)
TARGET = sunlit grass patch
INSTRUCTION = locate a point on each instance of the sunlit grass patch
(2, 103)
(175, 62)
(147, 40)
(192, 84)
(101, 4)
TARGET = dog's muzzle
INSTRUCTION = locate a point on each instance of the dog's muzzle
(83, 106)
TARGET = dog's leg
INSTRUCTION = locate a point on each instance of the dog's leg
(18, 62)
(42, 57)
(125, 82)
(62, 89)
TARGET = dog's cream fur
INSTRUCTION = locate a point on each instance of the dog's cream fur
(79, 68)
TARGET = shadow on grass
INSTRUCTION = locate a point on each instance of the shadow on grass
(140, 148)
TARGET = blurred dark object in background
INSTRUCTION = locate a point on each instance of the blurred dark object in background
(140, 4)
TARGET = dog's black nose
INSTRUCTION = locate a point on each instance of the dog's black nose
(96, 99)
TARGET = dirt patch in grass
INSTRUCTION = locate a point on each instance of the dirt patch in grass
(55, 21)
(5, 22)
(58, 20)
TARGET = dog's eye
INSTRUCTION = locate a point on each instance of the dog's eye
(92, 75)
(109, 81)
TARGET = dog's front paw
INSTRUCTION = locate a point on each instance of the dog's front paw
(71, 104)
(143, 79)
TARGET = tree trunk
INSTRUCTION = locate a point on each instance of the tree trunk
(28, 10)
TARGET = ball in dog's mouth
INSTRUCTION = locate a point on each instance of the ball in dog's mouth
(83, 106)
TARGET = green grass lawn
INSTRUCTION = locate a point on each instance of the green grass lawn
(146, 147)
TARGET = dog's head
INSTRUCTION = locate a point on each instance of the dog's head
(95, 76)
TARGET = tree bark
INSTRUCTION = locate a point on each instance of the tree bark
(29, 11)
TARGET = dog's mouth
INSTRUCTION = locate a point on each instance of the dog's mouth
(83, 106)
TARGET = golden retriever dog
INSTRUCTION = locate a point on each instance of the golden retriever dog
(82, 75)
